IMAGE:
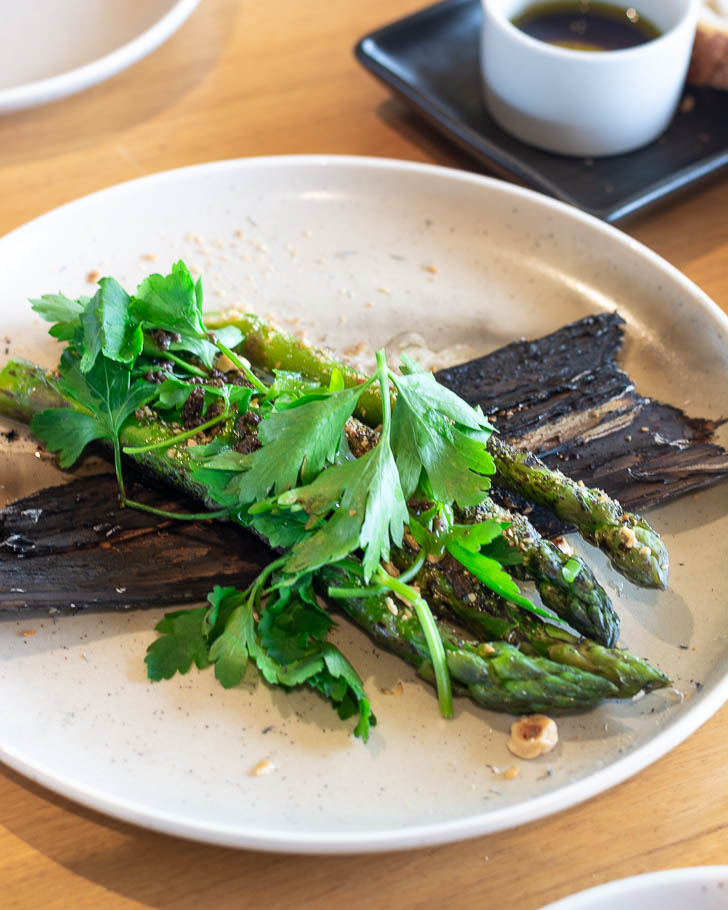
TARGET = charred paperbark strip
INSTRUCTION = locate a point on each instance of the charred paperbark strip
(529, 383)
(565, 398)
(667, 454)
(71, 546)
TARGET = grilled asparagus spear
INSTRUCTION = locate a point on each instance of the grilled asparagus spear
(632, 546)
(581, 601)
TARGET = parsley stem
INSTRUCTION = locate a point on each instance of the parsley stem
(179, 516)
(117, 468)
(343, 593)
(173, 440)
(353, 566)
(256, 586)
(189, 367)
(243, 367)
(376, 590)
(432, 637)
(382, 375)
(414, 568)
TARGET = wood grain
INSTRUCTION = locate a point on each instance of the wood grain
(261, 77)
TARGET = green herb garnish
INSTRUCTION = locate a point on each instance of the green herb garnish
(298, 485)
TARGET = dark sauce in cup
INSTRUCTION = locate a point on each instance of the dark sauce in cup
(586, 26)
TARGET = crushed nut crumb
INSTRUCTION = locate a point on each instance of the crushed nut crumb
(357, 350)
(563, 544)
(398, 690)
(263, 767)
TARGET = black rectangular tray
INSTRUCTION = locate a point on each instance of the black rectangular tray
(431, 59)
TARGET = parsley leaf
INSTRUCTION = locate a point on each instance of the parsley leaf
(474, 547)
(288, 386)
(341, 684)
(108, 326)
(174, 392)
(62, 311)
(503, 552)
(475, 536)
(492, 576)
(434, 429)
(368, 507)
(570, 570)
(415, 381)
(298, 440)
(171, 302)
(291, 629)
(181, 643)
(66, 432)
(281, 528)
(108, 398)
(237, 641)
(294, 634)
(216, 479)
(229, 335)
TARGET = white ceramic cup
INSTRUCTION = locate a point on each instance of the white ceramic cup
(586, 103)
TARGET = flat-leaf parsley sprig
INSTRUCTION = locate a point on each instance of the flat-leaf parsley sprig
(117, 345)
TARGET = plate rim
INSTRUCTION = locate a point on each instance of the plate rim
(713, 696)
(633, 885)
(61, 85)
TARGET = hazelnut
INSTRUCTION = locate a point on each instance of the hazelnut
(533, 736)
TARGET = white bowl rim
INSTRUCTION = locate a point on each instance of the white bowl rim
(78, 78)
(589, 58)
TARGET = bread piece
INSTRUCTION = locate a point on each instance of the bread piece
(709, 62)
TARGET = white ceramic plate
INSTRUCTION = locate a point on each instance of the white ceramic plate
(700, 888)
(53, 48)
(357, 249)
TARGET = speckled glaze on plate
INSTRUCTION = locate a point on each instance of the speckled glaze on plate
(77, 43)
(358, 250)
(698, 887)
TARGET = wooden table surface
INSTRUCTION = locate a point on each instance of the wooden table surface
(263, 77)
